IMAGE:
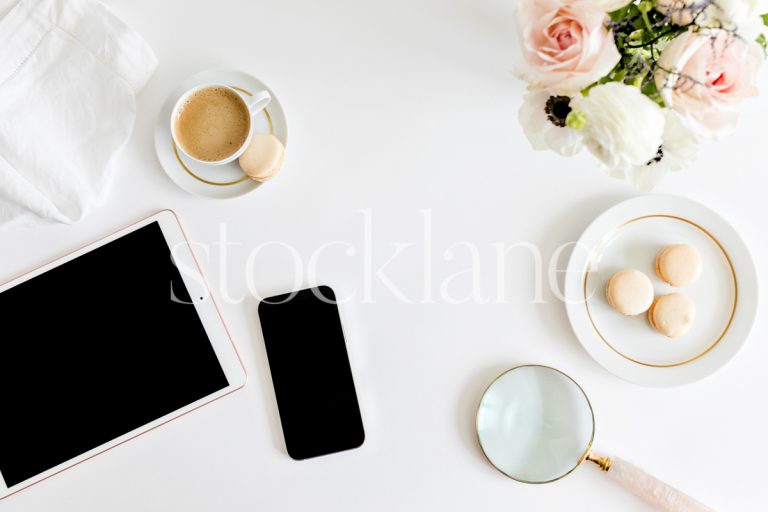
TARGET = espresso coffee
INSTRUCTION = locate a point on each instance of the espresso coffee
(212, 124)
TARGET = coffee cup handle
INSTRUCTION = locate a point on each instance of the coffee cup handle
(257, 102)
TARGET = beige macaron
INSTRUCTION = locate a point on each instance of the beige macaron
(672, 315)
(678, 265)
(263, 158)
(629, 292)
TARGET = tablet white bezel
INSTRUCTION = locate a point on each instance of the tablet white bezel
(206, 308)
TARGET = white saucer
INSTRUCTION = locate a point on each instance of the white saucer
(223, 181)
(628, 236)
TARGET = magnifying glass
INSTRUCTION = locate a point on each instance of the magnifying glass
(536, 425)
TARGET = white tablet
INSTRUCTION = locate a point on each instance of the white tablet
(104, 344)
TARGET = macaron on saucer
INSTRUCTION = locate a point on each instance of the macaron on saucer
(224, 181)
(678, 264)
(629, 292)
(672, 315)
(263, 158)
(630, 235)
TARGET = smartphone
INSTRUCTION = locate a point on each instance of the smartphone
(311, 375)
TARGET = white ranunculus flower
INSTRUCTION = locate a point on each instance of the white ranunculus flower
(679, 149)
(612, 5)
(623, 127)
(742, 16)
(542, 117)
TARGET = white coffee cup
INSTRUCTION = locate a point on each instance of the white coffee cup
(253, 104)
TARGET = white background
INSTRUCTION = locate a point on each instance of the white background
(397, 106)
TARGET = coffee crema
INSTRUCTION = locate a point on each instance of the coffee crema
(212, 124)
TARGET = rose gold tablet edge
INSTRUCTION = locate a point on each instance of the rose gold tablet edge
(218, 312)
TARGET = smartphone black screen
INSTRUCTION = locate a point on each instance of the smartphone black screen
(311, 375)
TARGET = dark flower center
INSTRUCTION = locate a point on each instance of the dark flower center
(658, 158)
(557, 109)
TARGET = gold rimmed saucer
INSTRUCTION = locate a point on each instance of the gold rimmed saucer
(223, 181)
(629, 235)
(732, 295)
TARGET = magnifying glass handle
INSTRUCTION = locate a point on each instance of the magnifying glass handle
(659, 494)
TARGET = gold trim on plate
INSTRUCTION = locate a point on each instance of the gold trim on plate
(615, 230)
(218, 183)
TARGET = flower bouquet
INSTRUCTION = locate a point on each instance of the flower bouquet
(638, 82)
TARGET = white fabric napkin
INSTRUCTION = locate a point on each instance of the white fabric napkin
(69, 74)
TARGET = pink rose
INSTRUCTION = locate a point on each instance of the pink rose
(563, 45)
(705, 76)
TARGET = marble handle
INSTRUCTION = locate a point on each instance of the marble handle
(651, 489)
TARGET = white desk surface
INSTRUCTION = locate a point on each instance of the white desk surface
(395, 107)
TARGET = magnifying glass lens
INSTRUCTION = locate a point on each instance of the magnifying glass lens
(535, 424)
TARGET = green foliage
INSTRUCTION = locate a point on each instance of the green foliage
(762, 40)
(641, 33)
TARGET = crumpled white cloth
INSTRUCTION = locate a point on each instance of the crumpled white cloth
(69, 74)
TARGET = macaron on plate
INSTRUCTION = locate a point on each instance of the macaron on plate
(223, 181)
(630, 235)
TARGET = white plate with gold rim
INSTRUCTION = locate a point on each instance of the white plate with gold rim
(629, 235)
(222, 181)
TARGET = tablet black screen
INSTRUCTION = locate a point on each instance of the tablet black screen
(96, 348)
